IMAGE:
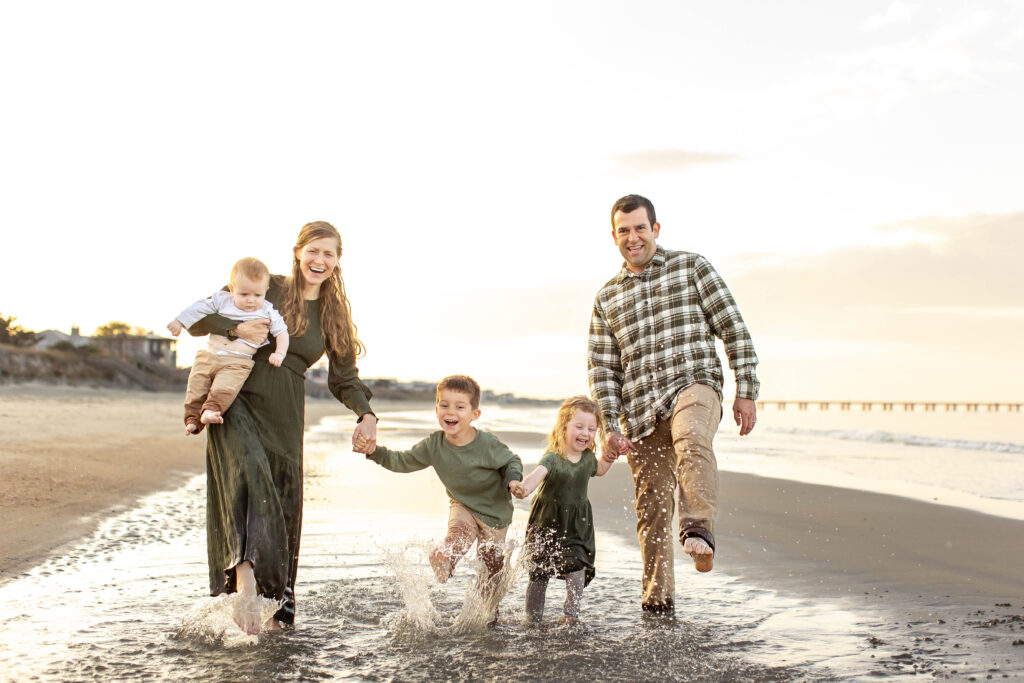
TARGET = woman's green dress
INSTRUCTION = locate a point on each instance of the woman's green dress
(560, 530)
(254, 460)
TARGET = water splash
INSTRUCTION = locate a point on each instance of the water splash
(211, 622)
(418, 588)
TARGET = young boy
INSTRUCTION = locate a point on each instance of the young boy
(477, 470)
(218, 372)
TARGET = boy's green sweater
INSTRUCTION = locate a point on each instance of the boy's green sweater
(477, 474)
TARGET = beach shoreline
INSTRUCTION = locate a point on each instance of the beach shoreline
(72, 456)
(943, 575)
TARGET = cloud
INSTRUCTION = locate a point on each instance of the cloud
(939, 315)
(966, 261)
(659, 160)
(897, 13)
(958, 287)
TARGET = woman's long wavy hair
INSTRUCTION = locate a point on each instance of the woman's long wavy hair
(556, 442)
(335, 311)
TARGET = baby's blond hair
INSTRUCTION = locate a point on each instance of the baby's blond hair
(252, 268)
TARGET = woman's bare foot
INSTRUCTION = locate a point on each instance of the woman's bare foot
(246, 609)
(702, 554)
(211, 417)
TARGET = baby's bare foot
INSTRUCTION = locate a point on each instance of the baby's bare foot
(191, 428)
(211, 417)
(702, 554)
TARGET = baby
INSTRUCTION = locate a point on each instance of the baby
(218, 372)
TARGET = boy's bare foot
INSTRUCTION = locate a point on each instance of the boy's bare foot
(211, 417)
(246, 609)
(439, 563)
(702, 554)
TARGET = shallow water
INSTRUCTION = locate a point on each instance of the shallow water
(129, 603)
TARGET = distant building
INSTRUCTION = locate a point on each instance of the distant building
(47, 339)
(149, 348)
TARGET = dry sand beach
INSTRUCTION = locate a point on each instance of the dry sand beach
(72, 454)
(950, 577)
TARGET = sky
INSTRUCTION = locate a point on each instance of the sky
(851, 168)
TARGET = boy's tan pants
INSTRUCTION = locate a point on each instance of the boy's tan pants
(678, 452)
(213, 383)
(463, 530)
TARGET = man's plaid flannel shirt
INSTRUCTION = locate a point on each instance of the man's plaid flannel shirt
(653, 333)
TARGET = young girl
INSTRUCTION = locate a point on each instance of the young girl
(560, 531)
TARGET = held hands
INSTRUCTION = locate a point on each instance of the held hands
(175, 327)
(276, 358)
(364, 438)
(744, 411)
(617, 444)
(517, 489)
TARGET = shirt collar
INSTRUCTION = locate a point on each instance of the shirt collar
(656, 262)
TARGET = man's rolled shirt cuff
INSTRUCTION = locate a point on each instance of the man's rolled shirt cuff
(748, 389)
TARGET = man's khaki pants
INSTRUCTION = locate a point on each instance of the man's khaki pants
(678, 452)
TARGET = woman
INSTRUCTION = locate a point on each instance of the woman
(254, 459)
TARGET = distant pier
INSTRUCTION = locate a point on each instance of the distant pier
(888, 406)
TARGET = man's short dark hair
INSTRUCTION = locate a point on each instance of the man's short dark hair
(632, 202)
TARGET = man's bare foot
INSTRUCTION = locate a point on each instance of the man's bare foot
(211, 417)
(702, 554)
(246, 608)
(439, 563)
(191, 428)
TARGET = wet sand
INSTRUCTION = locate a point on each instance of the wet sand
(950, 577)
(938, 572)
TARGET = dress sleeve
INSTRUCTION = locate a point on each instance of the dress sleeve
(592, 461)
(548, 461)
(344, 383)
(212, 324)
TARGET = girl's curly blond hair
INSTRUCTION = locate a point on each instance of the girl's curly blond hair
(556, 442)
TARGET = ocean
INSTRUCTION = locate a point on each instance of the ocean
(129, 602)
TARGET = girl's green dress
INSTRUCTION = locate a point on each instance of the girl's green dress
(560, 530)
(254, 460)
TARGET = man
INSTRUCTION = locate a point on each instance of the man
(652, 365)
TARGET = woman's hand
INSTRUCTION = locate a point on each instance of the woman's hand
(253, 331)
(364, 438)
